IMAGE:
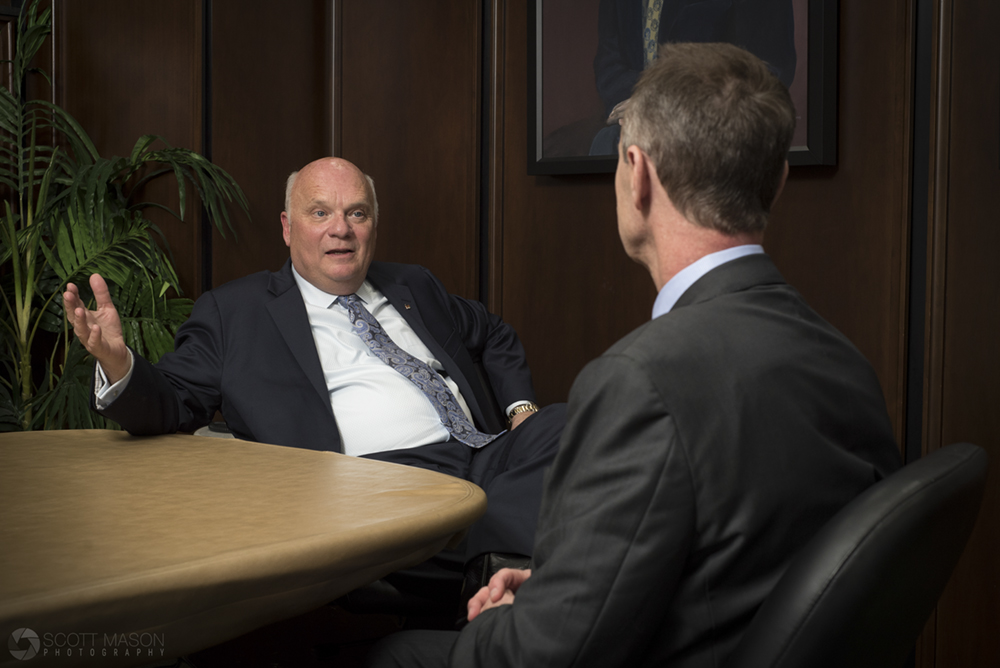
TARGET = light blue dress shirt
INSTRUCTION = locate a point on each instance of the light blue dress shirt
(686, 277)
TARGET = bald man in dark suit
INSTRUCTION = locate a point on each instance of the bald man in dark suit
(337, 352)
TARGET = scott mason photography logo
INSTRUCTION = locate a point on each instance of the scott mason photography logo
(25, 644)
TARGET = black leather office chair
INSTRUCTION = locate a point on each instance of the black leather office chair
(860, 592)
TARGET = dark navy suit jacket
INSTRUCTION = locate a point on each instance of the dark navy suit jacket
(248, 350)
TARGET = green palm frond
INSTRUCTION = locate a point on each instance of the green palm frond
(215, 187)
(11, 415)
(69, 213)
(67, 401)
(151, 321)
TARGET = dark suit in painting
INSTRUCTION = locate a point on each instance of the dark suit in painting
(765, 28)
(248, 351)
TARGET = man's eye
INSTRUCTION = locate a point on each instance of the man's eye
(358, 214)
(319, 214)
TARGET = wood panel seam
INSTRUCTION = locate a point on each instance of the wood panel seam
(937, 244)
(495, 144)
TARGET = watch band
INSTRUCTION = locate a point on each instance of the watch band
(523, 408)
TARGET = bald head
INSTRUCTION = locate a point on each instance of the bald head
(329, 224)
(339, 163)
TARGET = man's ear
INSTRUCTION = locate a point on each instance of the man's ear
(781, 185)
(638, 164)
(286, 232)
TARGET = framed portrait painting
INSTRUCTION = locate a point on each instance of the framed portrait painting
(584, 57)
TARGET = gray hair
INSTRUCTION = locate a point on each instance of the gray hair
(717, 124)
(371, 194)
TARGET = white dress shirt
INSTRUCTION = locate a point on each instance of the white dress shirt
(377, 408)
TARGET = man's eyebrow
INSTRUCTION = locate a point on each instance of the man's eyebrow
(325, 205)
(363, 204)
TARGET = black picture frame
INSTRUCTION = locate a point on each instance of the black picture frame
(818, 148)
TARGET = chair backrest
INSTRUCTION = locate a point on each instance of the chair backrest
(861, 590)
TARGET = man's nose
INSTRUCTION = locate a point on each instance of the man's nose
(338, 226)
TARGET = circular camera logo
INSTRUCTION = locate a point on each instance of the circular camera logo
(29, 637)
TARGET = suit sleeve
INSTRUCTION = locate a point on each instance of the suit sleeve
(498, 348)
(182, 391)
(616, 526)
(490, 342)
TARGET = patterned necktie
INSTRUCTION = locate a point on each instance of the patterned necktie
(425, 378)
(651, 31)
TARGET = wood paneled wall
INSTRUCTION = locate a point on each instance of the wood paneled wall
(560, 275)
(840, 234)
(125, 69)
(962, 383)
(408, 112)
(271, 114)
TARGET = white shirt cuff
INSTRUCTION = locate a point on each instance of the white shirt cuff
(104, 392)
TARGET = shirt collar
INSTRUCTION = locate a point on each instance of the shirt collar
(316, 297)
(687, 276)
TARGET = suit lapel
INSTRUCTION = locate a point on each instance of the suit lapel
(401, 298)
(288, 312)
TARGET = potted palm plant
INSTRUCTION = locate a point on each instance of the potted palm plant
(68, 213)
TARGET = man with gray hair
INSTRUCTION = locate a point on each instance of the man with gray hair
(710, 444)
(337, 352)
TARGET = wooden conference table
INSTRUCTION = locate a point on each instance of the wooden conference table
(119, 550)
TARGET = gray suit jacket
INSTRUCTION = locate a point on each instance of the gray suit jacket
(701, 451)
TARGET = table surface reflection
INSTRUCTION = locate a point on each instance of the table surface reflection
(117, 550)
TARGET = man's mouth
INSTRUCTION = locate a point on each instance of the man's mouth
(340, 251)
